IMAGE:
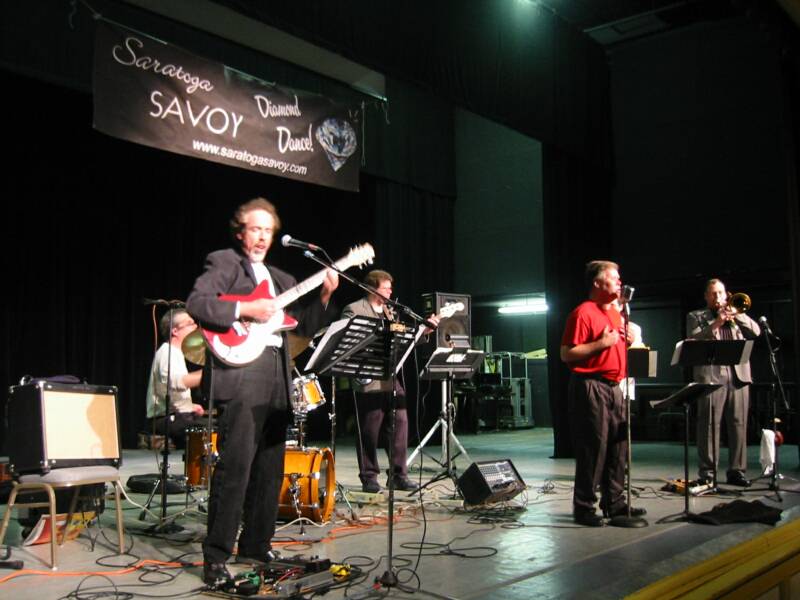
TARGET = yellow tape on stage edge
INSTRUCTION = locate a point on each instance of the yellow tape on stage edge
(739, 571)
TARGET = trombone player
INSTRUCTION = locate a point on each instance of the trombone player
(723, 319)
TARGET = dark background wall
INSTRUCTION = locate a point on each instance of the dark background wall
(701, 179)
(674, 155)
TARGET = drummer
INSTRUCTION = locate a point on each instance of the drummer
(183, 412)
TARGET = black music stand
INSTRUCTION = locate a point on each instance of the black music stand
(448, 364)
(369, 348)
(684, 397)
(703, 353)
(362, 348)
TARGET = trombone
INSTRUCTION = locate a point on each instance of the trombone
(737, 303)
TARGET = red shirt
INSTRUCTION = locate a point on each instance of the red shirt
(586, 324)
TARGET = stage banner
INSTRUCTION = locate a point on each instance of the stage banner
(158, 95)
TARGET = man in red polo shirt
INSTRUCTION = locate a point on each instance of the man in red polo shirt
(593, 347)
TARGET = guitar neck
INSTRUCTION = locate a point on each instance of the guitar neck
(306, 286)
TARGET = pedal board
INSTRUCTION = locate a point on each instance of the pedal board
(289, 577)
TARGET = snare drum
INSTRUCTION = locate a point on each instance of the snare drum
(201, 450)
(312, 472)
(306, 393)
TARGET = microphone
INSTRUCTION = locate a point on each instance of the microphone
(763, 322)
(160, 302)
(627, 294)
(288, 241)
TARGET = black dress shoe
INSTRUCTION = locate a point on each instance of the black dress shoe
(739, 479)
(216, 574)
(256, 559)
(623, 512)
(404, 484)
(371, 486)
(589, 519)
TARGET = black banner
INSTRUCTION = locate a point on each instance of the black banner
(158, 95)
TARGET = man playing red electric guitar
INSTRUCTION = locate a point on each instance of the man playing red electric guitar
(253, 398)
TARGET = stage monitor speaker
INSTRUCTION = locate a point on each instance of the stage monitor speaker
(57, 425)
(490, 481)
(458, 324)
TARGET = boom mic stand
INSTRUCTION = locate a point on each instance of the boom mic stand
(163, 526)
(775, 389)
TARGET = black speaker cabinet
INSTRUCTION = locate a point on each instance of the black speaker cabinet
(458, 324)
(53, 425)
(490, 481)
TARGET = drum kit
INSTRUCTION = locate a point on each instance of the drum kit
(308, 489)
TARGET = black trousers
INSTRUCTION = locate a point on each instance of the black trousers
(247, 479)
(374, 417)
(597, 415)
(178, 425)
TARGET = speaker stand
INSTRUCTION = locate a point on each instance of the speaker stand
(444, 421)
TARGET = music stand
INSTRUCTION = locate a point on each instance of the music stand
(369, 348)
(684, 397)
(447, 365)
(704, 353)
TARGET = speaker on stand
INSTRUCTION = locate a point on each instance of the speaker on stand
(457, 325)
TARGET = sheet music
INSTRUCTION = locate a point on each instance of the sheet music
(676, 355)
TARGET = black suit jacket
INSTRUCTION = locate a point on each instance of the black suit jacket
(229, 272)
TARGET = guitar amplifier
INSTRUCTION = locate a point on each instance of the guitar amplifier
(53, 425)
(490, 481)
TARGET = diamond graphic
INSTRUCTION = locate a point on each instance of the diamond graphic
(338, 139)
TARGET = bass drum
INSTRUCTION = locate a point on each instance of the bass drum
(309, 485)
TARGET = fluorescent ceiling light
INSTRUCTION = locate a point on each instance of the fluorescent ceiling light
(525, 306)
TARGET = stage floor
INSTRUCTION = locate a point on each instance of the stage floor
(533, 552)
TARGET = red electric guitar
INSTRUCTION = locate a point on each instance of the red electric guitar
(246, 340)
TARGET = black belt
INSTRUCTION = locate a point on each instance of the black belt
(596, 377)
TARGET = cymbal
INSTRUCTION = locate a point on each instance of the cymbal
(194, 348)
(297, 344)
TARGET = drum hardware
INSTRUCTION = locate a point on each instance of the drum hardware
(294, 492)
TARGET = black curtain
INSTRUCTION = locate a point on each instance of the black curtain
(91, 225)
(790, 70)
(577, 229)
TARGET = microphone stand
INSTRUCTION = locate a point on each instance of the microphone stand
(777, 386)
(163, 526)
(627, 520)
(389, 578)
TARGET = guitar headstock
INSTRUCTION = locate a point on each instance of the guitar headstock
(449, 309)
(358, 256)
